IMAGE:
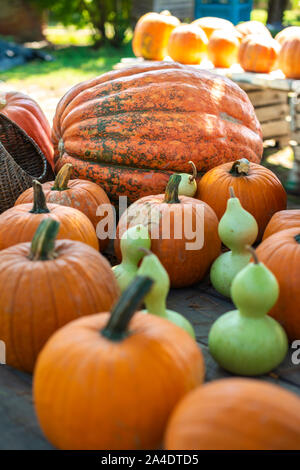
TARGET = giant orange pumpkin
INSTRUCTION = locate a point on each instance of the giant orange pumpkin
(173, 222)
(281, 254)
(258, 53)
(286, 33)
(45, 285)
(187, 44)
(289, 57)
(27, 114)
(253, 27)
(151, 35)
(109, 382)
(209, 24)
(223, 48)
(258, 189)
(235, 414)
(128, 130)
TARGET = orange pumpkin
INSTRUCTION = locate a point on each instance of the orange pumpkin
(289, 57)
(258, 53)
(209, 24)
(151, 35)
(286, 33)
(258, 189)
(187, 44)
(282, 220)
(100, 383)
(253, 27)
(19, 223)
(47, 284)
(170, 219)
(223, 48)
(235, 414)
(83, 195)
(281, 254)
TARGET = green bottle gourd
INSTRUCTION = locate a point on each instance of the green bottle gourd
(188, 183)
(247, 341)
(237, 228)
(132, 240)
(155, 300)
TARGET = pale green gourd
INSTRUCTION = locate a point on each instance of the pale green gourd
(155, 300)
(247, 341)
(237, 228)
(132, 240)
(188, 183)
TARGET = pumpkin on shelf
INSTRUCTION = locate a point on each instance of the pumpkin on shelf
(222, 48)
(183, 232)
(210, 24)
(26, 113)
(151, 35)
(187, 44)
(282, 220)
(289, 57)
(253, 27)
(259, 190)
(281, 254)
(19, 223)
(154, 119)
(258, 53)
(83, 195)
(286, 33)
(81, 404)
(235, 414)
(47, 284)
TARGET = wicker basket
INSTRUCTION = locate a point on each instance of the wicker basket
(21, 161)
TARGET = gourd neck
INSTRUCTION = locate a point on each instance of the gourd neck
(43, 243)
(157, 306)
(62, 178)
(240, 167)
(171, 193)
(297, 238)
(39, 200)
(116, 328)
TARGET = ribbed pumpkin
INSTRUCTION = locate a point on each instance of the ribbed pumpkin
(209, 24)
(259, 190)
(281, 254)
(287, 32)
(25, 112)
(128, 130)
(235, 414)
(82, 195)
(19, 223)
(151, 35)
(253, 27)
(223, 48)
(187, 44)
(169, 219)
(44, 286)
(289, 57)
(110, 382)
(258, 53)
(282, 220)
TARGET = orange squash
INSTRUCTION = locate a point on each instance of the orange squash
(151, 35)
(286, 33)
(47, 284)
(129, 130)
(253, 27)
(289, 57)
(282, 220)
(223, 48)
(209, 24)
(187, 44)
(258, 53)
(110, 381)
(259, 190)
(19, 223)
(83, 195)
(235, 414)
(280, 252)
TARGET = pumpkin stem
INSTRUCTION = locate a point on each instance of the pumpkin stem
(145, 250)
(193, 176)
(2, 102)
(39, 200)
(43, 243)
(297, 238)
(62, 178)
(171, 193)
(253, 253)
(117, 326)
(231, 191)
(240, 167)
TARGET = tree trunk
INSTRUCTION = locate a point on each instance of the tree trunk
(20, 20)
(275, 11)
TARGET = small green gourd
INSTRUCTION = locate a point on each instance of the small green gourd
(188, 183)
(247, 341)
(155, 300)
(132, 240)
(237, 228)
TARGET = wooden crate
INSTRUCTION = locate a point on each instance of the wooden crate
(182, 9)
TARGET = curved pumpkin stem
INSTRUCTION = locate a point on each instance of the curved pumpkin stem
(253, 253)
(240, 167)
(117, 326)
(297, 238)
(62, 178)
(171, 193)
(43, 243)
(194, 175)
(3, 102)
(231, 192)
(39, 200)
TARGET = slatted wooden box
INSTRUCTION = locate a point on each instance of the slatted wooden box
(184, 10)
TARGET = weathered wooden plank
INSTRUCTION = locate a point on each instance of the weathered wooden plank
(267, 97)
(268, 113)
(274, 129)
